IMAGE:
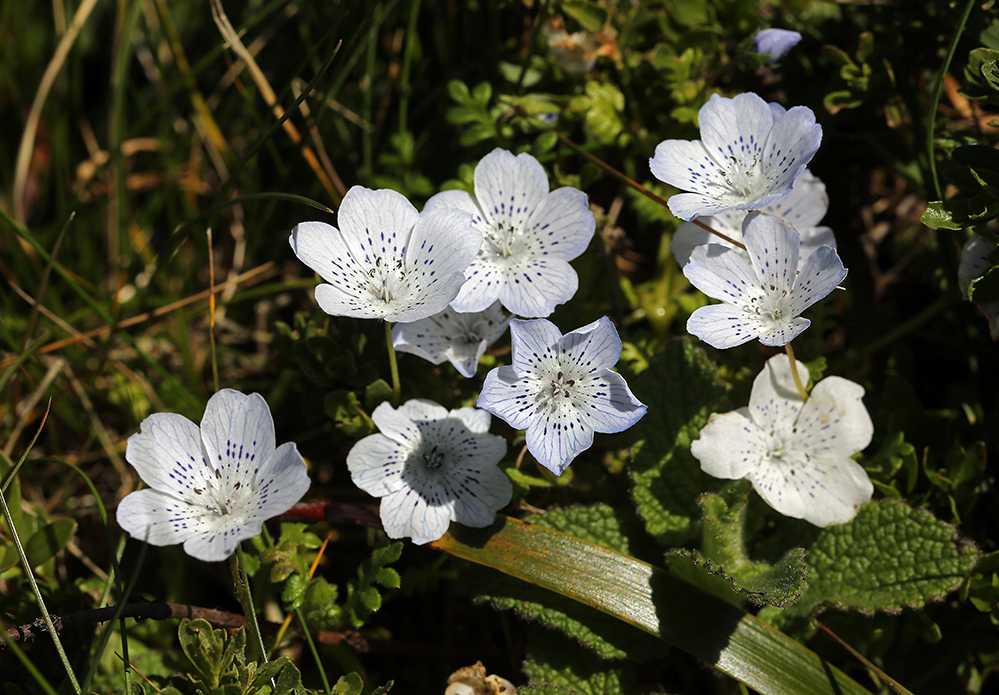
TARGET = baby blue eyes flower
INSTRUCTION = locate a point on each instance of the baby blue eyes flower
(387, 261)
(775, 42)
(561, 389)
(749, 156)
(430, 467)
(796, 454)
(212, 487)
(529, 236)
(763, 297)
(803, 208)
(461, 339)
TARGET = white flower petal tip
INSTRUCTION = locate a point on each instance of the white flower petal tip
(796, 454)
(803, 208)
(561, 389)
(748, 157)
(461, 339)
(775, 43)
(212, 487)
(975, 260)
(763, 298)
(386, 261)
(431, 466)
(529, 236)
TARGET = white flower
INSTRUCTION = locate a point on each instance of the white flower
(561, 389)
(214, 487)
(748, 157)
(775, 42)
(387, 261)
(797, 455)
(530, 235)
(803, 208)
(430, 467)
(461, 339)
(975, 260)
(763, 297)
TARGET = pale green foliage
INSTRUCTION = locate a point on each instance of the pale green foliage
(554, 660)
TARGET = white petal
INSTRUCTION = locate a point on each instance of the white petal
(688, 206)
(475, 419)
(325, 250)
(775, 402)
(423, 410)
(561, 226)
(483, 284)
(533, 287)
(508, 397)
(975, 260)
(686, 165)
(168, 455)
(782, 334)
(819, 275)
(791, 144)
(812, 239)
(158, 518)
(375, 464)
(773, 250)
(730, 445)
(534, 345)
(721, 273)
(834, 420)
(775, 42)
(280, 483)
(483, 490)
(735, 127)
(721, 325)
(376, 223)
(820, 491)
(407, 514)
(557, 437)
(606, 403)
(238, 433)
(592, 348)
(460, 200)
(509, 188)
(396, 426)
(806, 204)
(425, 338)
(218, 544)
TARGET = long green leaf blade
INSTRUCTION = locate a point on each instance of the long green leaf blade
(733, 641)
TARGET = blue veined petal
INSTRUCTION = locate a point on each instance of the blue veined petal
(605, 403)
(591, 349)
(557, 437)
(509, 397)
(535, 347)
(730, 445)
(560, 226)
(238, 433)
(508, 188)
(722, 326)
(722, 273)
(775, 42)
(534, 286)
(169, 456)
(820, 274)
(376, 462)
(422, 517)
(772, 245)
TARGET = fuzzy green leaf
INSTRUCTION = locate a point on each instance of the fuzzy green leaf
(351, 684)
(554, 660)
(682, 388)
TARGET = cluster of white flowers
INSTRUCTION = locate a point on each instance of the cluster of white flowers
(447, 276)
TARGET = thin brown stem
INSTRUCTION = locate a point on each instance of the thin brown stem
(794, 372)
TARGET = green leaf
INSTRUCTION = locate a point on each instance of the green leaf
(985, 289)
(666, 478)
(646, 597)
(351, 684)
(555, 660)
(376, 393)
(590, 16)
(363, 598)
(602, 107)
(960, 213)
(889, 557)
(49, 540)
(203, 647)
(344, 408)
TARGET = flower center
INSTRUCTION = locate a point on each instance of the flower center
(741, 174)
(560, 386)
(385, 281)
(223, 504)
(499, 239)
(769, 307)
(434, 458)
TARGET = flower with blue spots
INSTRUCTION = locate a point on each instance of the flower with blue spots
(797, 454)
(214, 486)
(561, 389)
(775, 43)
(748, 157)
(431, 466)
(387, 261)
(458, 338)
(803, 209)
(529, 236)
(763, 297)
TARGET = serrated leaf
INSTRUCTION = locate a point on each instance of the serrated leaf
(646, 597)
(388, 578)
(889, 557)
(294, 591)
(554, 660)
(371, 599)
(47, 541)
(283, 560)
(960, 213)
(320, 605)
(203, 648)
(666, 478)
(459, 93)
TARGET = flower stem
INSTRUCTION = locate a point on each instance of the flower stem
(211, 311)
(794, 372)
(393, 366)
(639, 187)
(238, 566)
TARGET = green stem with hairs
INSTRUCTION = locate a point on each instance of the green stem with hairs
(393, 366)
